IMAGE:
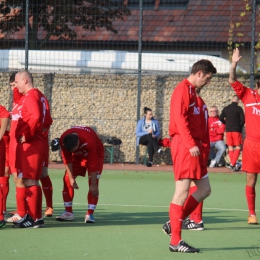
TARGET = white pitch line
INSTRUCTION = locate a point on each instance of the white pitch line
(143, 206)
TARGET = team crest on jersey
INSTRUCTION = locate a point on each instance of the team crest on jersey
(196, 110)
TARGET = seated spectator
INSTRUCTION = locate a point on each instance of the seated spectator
(147, 133)
(216, 135)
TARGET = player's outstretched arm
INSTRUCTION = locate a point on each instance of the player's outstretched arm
(235, 58)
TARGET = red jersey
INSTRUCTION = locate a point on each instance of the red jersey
(4, 114)
(90, 147)
(251, 101)
(185, 118)
(30, 117)
(16, 96)
(216, 129)
(204, 122)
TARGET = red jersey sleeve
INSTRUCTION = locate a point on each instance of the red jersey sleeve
(179, 114)
(240, 89)
(16, 96)
(3, 112)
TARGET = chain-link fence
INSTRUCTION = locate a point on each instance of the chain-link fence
(100, 62)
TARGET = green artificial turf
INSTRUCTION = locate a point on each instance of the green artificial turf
(132, 208)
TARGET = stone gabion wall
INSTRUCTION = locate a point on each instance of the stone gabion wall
(108, 103)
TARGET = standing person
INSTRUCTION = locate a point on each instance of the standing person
(216, 135)
(147, 133)
(45, 179)
(4, 117)
(81, 150)
(185, 130)
(30, 149)
(251, 147)
(234, 119)
(195, 221)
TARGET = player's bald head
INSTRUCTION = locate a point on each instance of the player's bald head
(24, 74)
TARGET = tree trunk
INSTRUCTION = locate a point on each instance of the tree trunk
(33, 29)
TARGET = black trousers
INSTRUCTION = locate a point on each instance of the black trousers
(151, 144)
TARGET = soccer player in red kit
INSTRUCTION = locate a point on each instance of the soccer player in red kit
(30, 148)
(4, 117)
(81, 150)
(185, 130)
(251, 148)
(195, 221)
(45, 179)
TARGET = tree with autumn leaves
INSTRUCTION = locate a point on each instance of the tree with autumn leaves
(58, 18)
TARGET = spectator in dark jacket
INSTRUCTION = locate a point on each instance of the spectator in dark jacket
(147, 133)
(234, 119)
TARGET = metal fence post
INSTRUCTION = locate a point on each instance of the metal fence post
(252, 65)
(139, 70)
(26, 34)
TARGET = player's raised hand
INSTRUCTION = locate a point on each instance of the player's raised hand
(236, 56)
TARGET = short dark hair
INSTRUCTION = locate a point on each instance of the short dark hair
(205, 66)
(146, 109)
(257, 81)
(70, 141)
(12, 77)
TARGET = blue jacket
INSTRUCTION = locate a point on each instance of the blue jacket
(140, 130)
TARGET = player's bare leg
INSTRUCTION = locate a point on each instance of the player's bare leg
(251, 179)
(47, 191)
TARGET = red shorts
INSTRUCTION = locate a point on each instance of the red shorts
(185, 166)
(2, 158)
(80, 166)
(6, 139)
(30, 160)
(12, 156)
(250, 156)
(46, 153)
(233, 138)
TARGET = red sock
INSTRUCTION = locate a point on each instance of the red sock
(1, 204)
(39, 203)
(235, 156)
(67, 193)
(176, 219)
(230, 154)
(250, 197)
(47, 190)
(20, 201)
(4, 182)
(92, 201)
(196, 215)
(190, 204)
(33, 194)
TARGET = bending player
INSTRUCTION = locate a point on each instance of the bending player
(81, 149)
(251, 148)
